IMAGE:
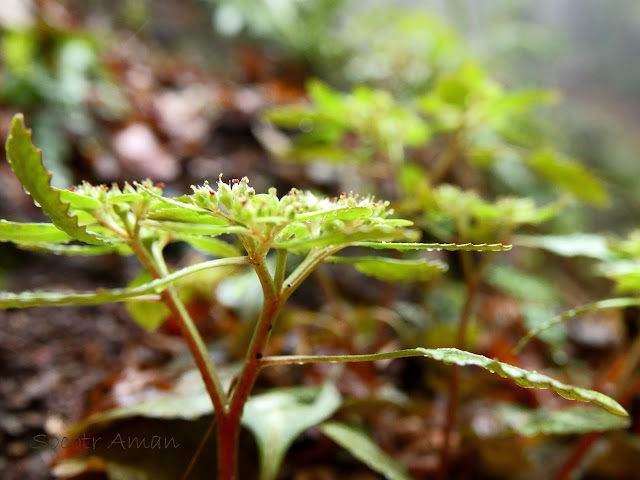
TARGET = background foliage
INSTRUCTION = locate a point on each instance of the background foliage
(508, 122)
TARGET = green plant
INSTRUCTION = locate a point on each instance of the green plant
(618, 260)
(138, 220)
(464, 124)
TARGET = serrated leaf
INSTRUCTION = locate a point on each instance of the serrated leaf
(572, 245)
(29, 233)
(483, 247)
(570, 175)
(212, 246)
(568, 421)
(524, 378)
(278, 417)
(364, 449)
(41, 298)
(394, 270)
(26, 162)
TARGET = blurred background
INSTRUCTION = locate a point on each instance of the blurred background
(404, 99)
(95, 77)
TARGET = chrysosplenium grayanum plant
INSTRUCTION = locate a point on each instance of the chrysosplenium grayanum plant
(138, 220)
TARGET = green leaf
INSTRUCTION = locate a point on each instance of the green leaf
(212, 246)
(524, 378)
(570, 175)
(625, 274)
(125, 198)
(483, 247)
(41, 298)
(149, 315)
(303, 245)
(573, 245)
(393, 270)
(276, 418)
(501, 108)
(28, 233)
(194, 228)
(568, 421)
(346, 213)
(324, 153)
(188, 400)
(364, 449)
(184, 215)
(521, 285)
(26, 162)
(77, 201)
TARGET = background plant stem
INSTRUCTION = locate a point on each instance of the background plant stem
(472, 281)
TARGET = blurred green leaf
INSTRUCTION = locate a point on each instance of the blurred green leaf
(149, 315)
(278, 417)
(18, 50)
(459, 213)
(568, 421)
(569, 175)
(521, 285)
(212, 246)
(392, 270)
(364, 449)
(572, 245)
(627, 279)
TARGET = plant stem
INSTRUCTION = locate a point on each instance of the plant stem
(472, 282)
(447, 159)
(229, 424)
(579, 452)
(281, 265)
(188, 329)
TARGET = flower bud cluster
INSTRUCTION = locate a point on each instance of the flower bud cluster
(296, 214)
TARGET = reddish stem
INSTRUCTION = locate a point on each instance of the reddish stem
(579, 452)
(229, 424)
